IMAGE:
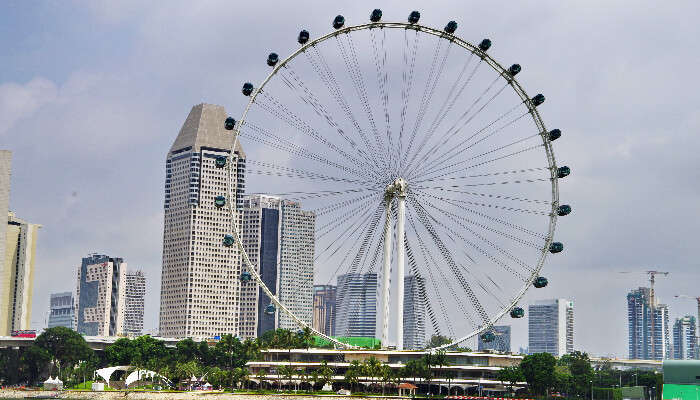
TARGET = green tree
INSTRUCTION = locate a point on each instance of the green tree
(287, 372)
(33, 361)
(538, 370)
(438, 340)
(260, 375)
(371, 368)
(325, 373)
(581, 371)
(512, 375)
(119, 352)
(353, 373)
(386, 374)
(64, 346)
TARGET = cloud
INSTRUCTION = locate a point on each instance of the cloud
(19, 101)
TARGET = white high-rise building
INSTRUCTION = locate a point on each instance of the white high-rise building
(278, 237)
(551, 327)
(200, 286)
(5, 167)
(413, 313)
(356, 305)
(684, 338)
(134, 303)
(101, 296)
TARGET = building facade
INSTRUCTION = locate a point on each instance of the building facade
(134, 303)
(551, 327)
(17, 277)
(356, 305)
(101, 295)
(278, 237)
(200, 286)
(5, 168)
(62, 310)
(413, 313)
(639, 322)
(685, 338)
(502, 342)
(324, 309)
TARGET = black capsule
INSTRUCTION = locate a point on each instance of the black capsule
(540, 282)
(219, 201)
(514, 69)
(246, 276)
(229, 124)
(303, 36)
(538, 99)
(556, 247)
(247, 88)
(451, 27)
(517, 312)
(488, 337)
(563, 210)
(413, 17)
(338, 22)
(220, 162)
(554, 134)
(228, 240)
(376, 15)
(272, 59)
(563, 171)
(485, 44)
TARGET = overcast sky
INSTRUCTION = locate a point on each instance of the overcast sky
(92, 95)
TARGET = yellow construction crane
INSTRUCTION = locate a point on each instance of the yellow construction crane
(652, 301)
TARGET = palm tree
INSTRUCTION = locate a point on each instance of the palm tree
(325, 373)
(440, 360)
(260, 376)
(386, 375)
(352, 374)
(371, 368)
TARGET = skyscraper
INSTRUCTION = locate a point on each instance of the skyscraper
(639, 327)
(551, 327)
(200, 286)
(17, 277)
(101, 295)
(61, 310)
(324, 309)
(413, 313)
(278, 237)
(502, 341)
(5, 161)
(356, 305)
(685, 338)
(134, 303)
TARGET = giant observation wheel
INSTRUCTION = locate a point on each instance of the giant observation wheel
(418, 152)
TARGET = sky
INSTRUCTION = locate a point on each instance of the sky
(92, 94)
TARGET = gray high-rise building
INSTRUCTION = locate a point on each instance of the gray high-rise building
(639, 324)
(551, 327)
(101, 295)
(413, 313)
(685, 338)
(502, 341)
(62, 310)
(356, 305)
(324, 308)
(200, 286)
(278, 237)
(134, 303)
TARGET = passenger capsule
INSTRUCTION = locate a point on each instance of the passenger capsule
(229, 240)
(451, 27)
(270, 309)
(517, 312)
(488, 337)
(229, 124)
(246, 276)
(556, 247)
(563, 171)
(538, 99)
(219, 201)
(554, 134)
(413, 17)
(540, 282)
(247, 88)
(272, 59)
(376, 15)
(303, 36)
(338, 22)
(514, 69)
(563, 210)
(485, 44)
(220, 162)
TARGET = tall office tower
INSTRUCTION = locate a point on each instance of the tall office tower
(61, 310)
(413, 313)
(199, 282)
(134, 302)
(356, 305)
(101, 295)
(502, 341)
(639, 327)
(5, 273)
(17, 274)
(551, 327)
(685, 338)
(324, 309)
(278, 237)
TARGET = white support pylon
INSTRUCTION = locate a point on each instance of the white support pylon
(400, 268)
(386, 272)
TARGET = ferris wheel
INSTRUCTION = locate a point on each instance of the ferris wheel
(419, 153)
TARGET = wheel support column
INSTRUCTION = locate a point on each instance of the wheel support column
(400, 224)
(386, 272)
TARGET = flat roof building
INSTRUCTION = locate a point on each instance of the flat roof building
(551, 327)
(101, 296)
(62, 310)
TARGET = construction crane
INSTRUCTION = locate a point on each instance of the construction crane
(683, 296)
(652, 301)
